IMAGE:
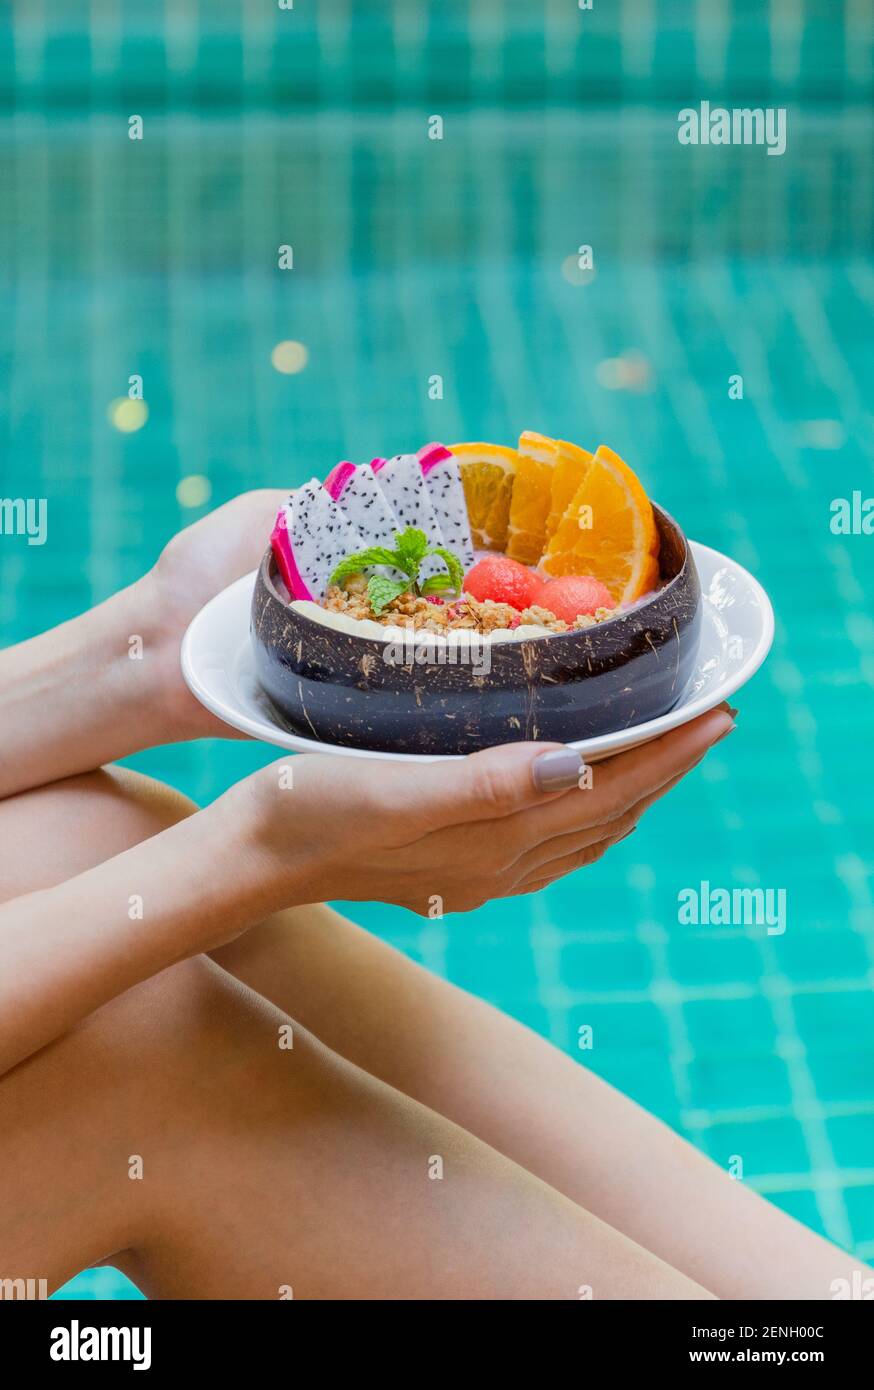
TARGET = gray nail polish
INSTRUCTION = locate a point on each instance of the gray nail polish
(557, 770)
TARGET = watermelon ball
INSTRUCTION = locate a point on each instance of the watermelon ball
(573, 594)
(504, 581)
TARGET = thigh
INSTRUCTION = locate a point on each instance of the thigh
(219, 1150)
(544, 1110)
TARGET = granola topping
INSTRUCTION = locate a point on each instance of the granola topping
(416, 613)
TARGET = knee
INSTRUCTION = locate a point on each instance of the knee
(53, 833)
(191, 1033)
(202, 1077)
(211, 1053)
(160, 1057)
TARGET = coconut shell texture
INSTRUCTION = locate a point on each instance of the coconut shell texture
(364, 693)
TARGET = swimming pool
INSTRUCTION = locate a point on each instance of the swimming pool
(455, 259)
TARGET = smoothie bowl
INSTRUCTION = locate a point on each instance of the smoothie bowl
(445, 601)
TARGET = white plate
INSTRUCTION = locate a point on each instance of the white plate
(219, 666)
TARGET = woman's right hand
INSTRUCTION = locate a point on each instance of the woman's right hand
(449, 836)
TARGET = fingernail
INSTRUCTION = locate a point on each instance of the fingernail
(729, 730)
(557, 771)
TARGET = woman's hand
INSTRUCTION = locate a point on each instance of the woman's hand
(448, 836)
(193, 567)
(108, 683)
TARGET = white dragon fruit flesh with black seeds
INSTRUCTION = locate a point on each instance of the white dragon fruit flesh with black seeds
(364, 504)
(446, 491)
(311, 536)
(403, 485)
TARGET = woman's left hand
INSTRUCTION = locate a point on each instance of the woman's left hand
(108, 683)
(193, 567)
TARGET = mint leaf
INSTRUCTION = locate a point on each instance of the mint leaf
(381, 591)
(437, 584)
(411, 548)
(453, 565)
(354, 564)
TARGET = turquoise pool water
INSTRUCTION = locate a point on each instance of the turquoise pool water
(414, 259)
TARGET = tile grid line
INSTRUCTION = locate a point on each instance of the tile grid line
(566, 997)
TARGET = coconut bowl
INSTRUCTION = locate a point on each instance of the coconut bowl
(362, 692)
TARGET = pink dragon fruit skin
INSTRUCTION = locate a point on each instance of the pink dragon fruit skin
(338, 478)
(280, 543)
(357, 492)
(446, 491)
(310, 538)
(431, 454)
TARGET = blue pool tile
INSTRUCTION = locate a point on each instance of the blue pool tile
(621, 1028)
(525, 1009)
(99, 1284)
(644, 1076)
(478, 956)
(712, 960)
(730, 1027)
(802, 1205)
(726, 1082)
(835, 1020)
(860, 1209)
(766, 1146)
(595, 966)
(842, 1075)
(852, 1140)
(830, 954)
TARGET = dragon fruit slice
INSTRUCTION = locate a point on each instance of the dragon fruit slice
(443, 481)
(402, 483)
(358, 494)
(310, 538)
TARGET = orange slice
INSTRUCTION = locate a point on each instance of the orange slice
(608, 530)
(532, 497)
(569, 472)
(487, 474)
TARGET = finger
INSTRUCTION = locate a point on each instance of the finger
(562, 846)
(580, 858)
(559, 868)
(571, 856)
(620, 782)
(496, 783)
(538, 860)
(449, 800)
(518, 777)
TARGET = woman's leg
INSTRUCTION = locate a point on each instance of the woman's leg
(177, 1132)
(546, 1112)
(549, 1114)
